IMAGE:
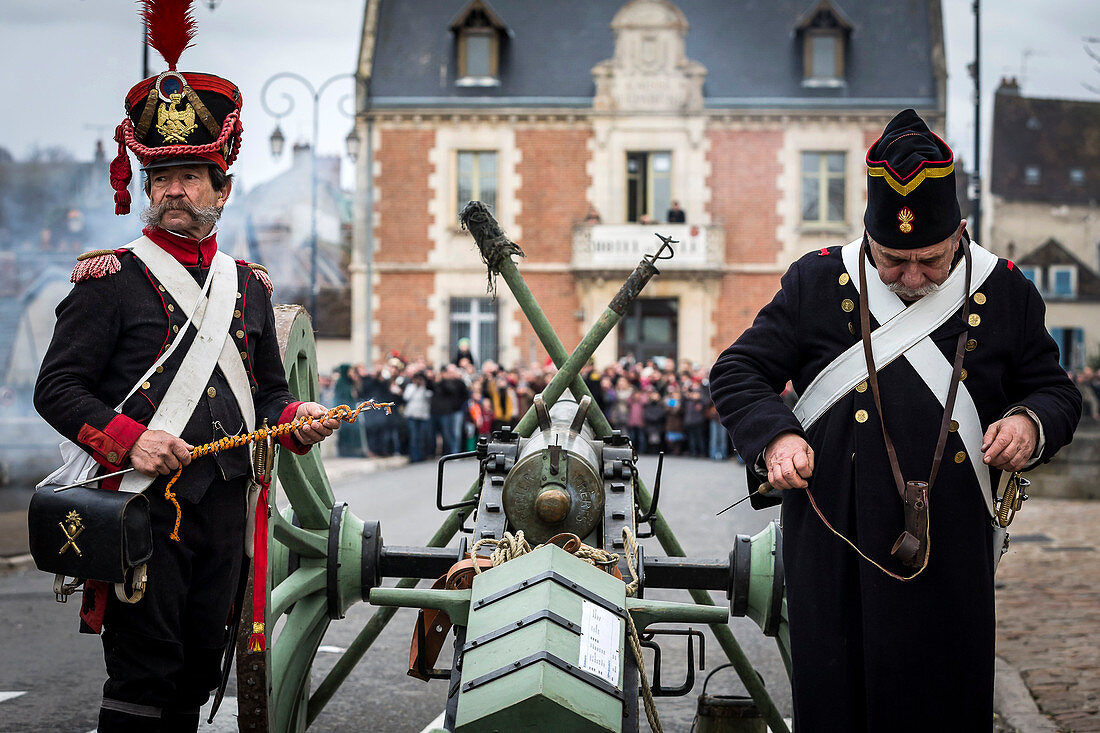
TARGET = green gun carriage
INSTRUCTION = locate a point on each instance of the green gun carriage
(541, 642)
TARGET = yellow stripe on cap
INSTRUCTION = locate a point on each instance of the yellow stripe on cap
(907, 188)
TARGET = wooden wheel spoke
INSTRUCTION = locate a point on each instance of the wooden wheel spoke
(301, 583)
(302, 541)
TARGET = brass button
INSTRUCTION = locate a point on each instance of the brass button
(851, 328)
(974, 319)
(844, 278)
(962, 375)
(160, 369)
(175, 328)
(211, 392)
(244, 355)
(979, 298)
(240, 334)
(253, 388)
(954, 426)
(847, 305)
(160, 288)
(960, 456)
(238, 296)
(112, 457)
(145, 385)
(862, 386)
(971, 344)
(861, 416)
(236, 314)
(171, 308)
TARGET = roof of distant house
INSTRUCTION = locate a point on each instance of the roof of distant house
(1045, 150)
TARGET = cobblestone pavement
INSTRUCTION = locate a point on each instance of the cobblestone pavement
(1048, 608)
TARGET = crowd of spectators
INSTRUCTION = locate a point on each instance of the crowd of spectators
(660, 406)
(1088, 381)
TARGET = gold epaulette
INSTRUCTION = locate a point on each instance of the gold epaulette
(261, 274)
(94, 253)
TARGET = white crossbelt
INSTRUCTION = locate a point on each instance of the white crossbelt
(212, 344)
(905, 332)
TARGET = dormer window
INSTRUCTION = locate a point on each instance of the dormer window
(823, 31)
(478, 31)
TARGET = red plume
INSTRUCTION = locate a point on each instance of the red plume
(169, 27)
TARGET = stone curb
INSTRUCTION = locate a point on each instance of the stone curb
(1014, 703)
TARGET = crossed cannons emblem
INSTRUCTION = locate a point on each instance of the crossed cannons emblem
(72, 526)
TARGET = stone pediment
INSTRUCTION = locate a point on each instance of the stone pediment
(650, 72)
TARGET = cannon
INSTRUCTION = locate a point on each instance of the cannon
(543, 640)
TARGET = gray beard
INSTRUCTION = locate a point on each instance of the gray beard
(910, 293)
(152, 214)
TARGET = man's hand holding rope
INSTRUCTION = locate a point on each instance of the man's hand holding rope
(314, 432)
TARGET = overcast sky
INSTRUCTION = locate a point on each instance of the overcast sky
(68, 64)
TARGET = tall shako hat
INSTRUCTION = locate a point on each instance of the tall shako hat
(911, 200)
(175, 118)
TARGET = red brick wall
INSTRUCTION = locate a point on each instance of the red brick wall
(402, 313)
(741, 297)
(744, 186)
(403, 195)
(553, 182)
(557, 296)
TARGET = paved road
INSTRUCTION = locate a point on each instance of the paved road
(59, 671)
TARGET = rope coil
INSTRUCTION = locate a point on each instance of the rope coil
(340, 412)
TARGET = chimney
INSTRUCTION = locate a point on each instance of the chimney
(1009, 86)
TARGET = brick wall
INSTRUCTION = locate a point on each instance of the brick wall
(557, 296)
(402, 313)
(403, 193)
(552, 189)
(744, 185)
(553, 181)
(741, 297)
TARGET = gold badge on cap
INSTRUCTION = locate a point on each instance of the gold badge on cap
(905, 216)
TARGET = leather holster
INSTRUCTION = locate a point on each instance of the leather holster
(911, 547)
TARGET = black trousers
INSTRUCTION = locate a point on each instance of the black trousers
(163, 653)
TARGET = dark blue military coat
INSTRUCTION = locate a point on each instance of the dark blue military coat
(871, 653)
(113, 326)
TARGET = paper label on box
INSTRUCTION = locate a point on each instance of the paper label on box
(600, 633)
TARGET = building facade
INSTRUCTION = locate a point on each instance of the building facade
(1043, 209)
(580, 123)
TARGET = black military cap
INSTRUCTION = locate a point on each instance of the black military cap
(911, 200)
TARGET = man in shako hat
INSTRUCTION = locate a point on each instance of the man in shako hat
(900, 639)
(127, 334)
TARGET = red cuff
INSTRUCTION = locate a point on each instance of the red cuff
(111, 446)
(288, 441)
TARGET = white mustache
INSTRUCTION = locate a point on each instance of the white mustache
(912, 293)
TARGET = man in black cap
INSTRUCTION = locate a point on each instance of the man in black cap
(163, 345)
(925, 370)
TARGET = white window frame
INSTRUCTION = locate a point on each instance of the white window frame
(476, 180)
(821, 178)
(1056, 270)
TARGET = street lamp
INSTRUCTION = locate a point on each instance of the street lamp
(277, 141)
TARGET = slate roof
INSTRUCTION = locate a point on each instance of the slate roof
(1057, 135)
(749, 48)
(1052, 252)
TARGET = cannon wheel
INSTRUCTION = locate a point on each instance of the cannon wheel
(273, 687)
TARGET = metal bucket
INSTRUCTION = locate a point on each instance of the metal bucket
(726, 713)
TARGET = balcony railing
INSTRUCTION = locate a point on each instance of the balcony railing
(621, 246)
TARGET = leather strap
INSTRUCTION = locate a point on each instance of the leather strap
(433, 624)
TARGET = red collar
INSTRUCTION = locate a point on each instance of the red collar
(185, 249)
